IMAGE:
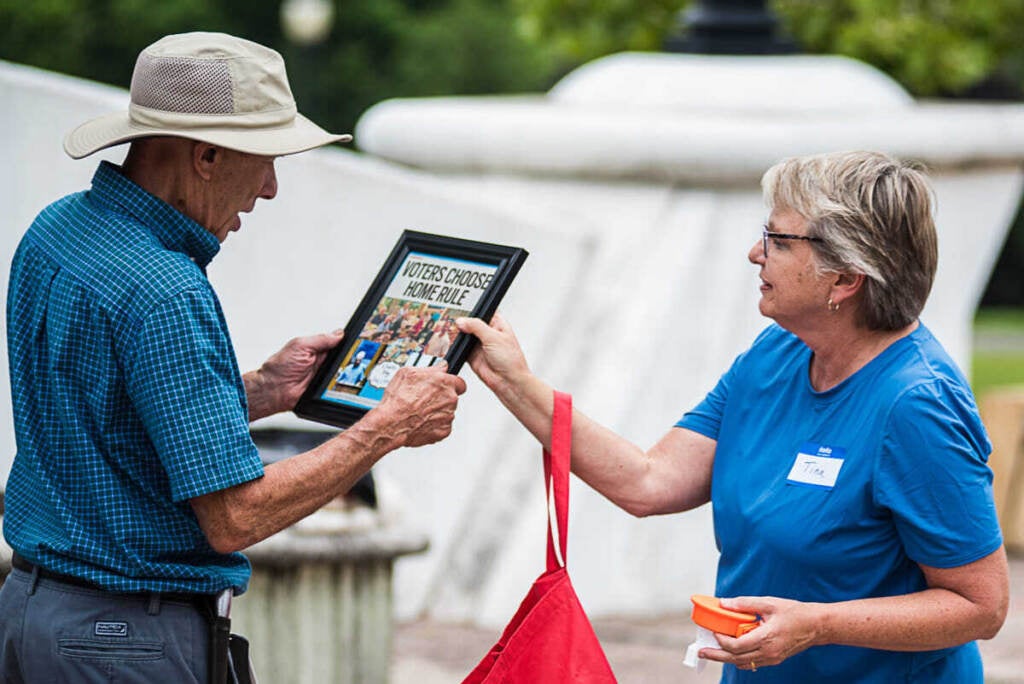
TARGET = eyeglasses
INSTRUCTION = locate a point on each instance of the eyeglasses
(767, 234)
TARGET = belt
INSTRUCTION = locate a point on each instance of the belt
(202, 601)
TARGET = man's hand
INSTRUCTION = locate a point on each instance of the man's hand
(419, 405)
(281, 380)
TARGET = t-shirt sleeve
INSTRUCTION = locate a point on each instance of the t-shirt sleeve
(183, 380)
(932, 474)
(706, 417)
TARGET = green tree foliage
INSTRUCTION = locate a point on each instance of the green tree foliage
(96, 39)
(376, 49)
(390, 48)
(932, 47)
(579, 30)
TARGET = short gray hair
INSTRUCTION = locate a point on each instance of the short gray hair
(873, 214)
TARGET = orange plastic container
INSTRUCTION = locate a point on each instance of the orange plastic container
(709, 614)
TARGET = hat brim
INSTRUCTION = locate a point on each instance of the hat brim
(113, 129)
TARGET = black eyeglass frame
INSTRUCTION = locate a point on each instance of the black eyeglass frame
(767, 234)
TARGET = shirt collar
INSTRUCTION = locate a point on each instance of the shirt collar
(175, 231)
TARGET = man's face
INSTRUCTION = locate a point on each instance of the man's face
(239, 179)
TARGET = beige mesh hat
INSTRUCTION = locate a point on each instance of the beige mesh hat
(211, 87)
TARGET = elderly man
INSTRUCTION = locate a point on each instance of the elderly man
(136, 482)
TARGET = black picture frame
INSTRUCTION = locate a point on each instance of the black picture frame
(406, 318)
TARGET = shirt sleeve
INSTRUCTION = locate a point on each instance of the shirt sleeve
(706, 417)
(932, 475)
(184, 382)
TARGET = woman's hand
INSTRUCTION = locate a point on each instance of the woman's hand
(498, 360)
(787, 627)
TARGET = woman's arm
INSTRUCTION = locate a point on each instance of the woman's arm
(673, 476)
(960, 605)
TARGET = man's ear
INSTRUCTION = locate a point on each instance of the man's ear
(204, 157)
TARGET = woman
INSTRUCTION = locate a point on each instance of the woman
(842, 453)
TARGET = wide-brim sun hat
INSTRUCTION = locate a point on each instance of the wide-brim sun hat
(210, 87)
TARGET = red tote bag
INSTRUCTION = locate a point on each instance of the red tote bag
(549, 640)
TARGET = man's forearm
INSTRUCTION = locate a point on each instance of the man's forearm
(418, 408)
(290, 490)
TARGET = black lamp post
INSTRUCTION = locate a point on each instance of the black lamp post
(729, 27)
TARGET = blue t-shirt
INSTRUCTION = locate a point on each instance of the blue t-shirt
(126, 393)
(838, 495)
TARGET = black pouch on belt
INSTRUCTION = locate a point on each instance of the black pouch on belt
(239, 663)
(229, 653)
(220, 637)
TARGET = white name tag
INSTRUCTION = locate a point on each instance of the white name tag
(817, 465)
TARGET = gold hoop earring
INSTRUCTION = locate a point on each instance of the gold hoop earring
(832, 306)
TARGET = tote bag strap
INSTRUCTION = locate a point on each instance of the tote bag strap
(556, 480)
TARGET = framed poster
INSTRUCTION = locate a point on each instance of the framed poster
(407, 318)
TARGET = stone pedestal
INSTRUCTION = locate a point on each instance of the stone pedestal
(319, 605)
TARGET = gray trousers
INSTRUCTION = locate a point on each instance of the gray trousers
(52, 633)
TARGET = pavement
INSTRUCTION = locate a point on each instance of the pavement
(649, 650)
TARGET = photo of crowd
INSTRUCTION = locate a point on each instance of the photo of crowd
(398, 333)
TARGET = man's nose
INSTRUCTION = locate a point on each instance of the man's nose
(269, 189)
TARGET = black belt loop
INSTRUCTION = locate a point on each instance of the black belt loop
(34, 580)
(153, 606)
(19, 563)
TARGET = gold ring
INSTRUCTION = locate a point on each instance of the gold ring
(753, 666)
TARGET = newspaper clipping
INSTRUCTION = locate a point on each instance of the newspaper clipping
(413, 324)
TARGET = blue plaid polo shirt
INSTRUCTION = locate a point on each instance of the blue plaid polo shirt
(127, 397)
